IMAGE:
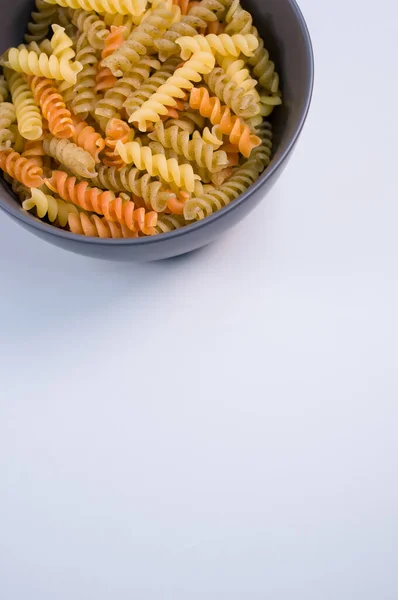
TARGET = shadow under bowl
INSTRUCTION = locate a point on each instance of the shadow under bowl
(282, 26)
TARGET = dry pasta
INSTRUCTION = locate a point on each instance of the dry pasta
(130, 118)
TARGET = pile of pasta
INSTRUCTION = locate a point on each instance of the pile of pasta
(130, 118)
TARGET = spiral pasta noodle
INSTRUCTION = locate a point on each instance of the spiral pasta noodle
(22, 169)
(33, 149)
(104, 78)
(139, 42)
(42, 18)
(81, 98)
(116, 130)
(146, 90)
(53, 107)
(94, 226)
(111, 104)
(211, 108)
(49, 206)
(7, 117)
(223, 44)
(87, 138)
(200, 64)
(3, 89)
(195, 149)
(122, 7)
(57, 66)
(77, 160)
(153, 193)
(94, 27)
(30, 122)
(157, 165)
(135, 117)
(103, 203)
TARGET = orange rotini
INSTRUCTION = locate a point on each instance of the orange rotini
(87, 138)
(94, 226)
(116, 130)
(104, 78)
(53, 106)
(24, 170)
(210, 107)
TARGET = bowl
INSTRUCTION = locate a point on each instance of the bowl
(286, 36)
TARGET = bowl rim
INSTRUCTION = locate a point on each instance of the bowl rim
(34, 222)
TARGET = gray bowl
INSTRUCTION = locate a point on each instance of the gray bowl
(286, 36)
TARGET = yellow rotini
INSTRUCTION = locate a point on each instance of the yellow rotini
(77, 160)
(7, 117)
(57, 66)
(223, 44)
(192, 77)
(157, 165)
(113, 7)
(30, 122)
(49, 206)
(200, 64)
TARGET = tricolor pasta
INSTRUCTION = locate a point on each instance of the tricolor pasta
(131, 118)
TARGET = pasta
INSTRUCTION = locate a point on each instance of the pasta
(47, 205)
(103, 203)
(139, 42)
(122, 7)
(130, 118)
(7, 117)
(87, 138)
(22, 169)
(239, 133)
(53, 107)
(77, 160)
(223, 44)
(104, 78)
(157, 164)
(58, 66)
(200, 64)
(42, 18)
(30, 122)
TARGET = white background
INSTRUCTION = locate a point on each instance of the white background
(224, 425)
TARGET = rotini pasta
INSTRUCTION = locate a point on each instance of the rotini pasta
(238, 132)
(22, 169)
(77, 160)
(139, 42)
(104, 78)
(196, 149)
(200, 64)
(48, 206)
(87, 138)
(153, 193)
(223, 45)
(30, 122)
(121, 7)
(170, 68)
(57, 66)
(103, 203)
(7, 117)
(42, 18)
(110, 106)
(53, 107)
(157, 165)
(94, 27)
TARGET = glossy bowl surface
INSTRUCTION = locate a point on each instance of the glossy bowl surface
(286, 36)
